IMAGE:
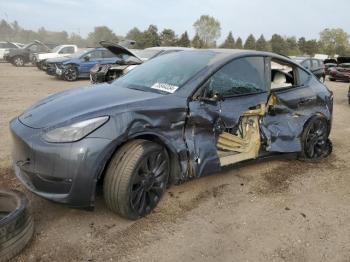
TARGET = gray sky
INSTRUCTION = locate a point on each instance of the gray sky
(288, 18)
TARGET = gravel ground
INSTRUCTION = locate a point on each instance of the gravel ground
(271, 211)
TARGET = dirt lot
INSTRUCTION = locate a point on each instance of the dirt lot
(272, 211)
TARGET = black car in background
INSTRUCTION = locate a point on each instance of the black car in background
(316, 66)
(24, 55)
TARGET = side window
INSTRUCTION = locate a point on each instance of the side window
(303, 76)
(282, 75)
(240, 77)
(107, 54)
(67, 50)
(306, 64)
(97, 54)
(315, 64)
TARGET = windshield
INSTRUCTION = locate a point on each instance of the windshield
(146, 53)
(56, 49)
(166, 73)
(80, 52)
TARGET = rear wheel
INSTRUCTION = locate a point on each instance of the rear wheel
(70, 73)
(136, 178)
(315, 142)
(331, 79)
(18, 61)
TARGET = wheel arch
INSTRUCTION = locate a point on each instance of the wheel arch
(175, 166)
(318, 114)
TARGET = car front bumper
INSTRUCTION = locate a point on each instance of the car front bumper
(62, 172)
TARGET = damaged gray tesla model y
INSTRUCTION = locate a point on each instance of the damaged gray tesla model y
(180, 116)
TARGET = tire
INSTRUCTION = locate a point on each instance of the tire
(322, 79)
(136, 178)
(16, 224)
(314, 140)
(18, 61)
(70, 73)
(331, 79)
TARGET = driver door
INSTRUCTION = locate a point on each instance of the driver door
(89, 60)
(218, 106)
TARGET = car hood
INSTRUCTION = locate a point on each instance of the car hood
(82, 103)
(119, 50)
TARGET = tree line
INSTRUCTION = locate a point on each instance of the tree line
(207, 29)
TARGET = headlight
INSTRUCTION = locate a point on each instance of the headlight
(74, 132)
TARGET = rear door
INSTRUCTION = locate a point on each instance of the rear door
(291, 103)
(89, 60)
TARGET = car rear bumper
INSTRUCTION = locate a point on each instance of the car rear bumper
(64, 172)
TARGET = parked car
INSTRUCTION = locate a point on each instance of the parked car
(21, 56)
(316, 66)
(328, 67)
(128, 60)
(58, 51)
(79, 64)
(340, 72)
(178, 117)
(5, 47)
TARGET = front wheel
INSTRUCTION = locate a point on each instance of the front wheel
(18, 61)
(70, 73)
(136, 178)
(315, 142)
(322, 79)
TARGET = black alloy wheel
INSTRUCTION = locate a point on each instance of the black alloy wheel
(136, 178)
(316, 144)
(18, 61)
(70, 73)
(149, 182)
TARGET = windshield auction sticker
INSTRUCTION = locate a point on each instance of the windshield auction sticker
(165, 87)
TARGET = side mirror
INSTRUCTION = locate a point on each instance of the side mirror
(86, 58)
(214, 99)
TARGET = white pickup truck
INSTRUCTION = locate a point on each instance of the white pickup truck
(58, 51)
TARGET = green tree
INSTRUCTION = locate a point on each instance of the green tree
(250, 42)
(229, 42)
(184, 40)
(334, 41)
(101, 33)
(292, 46)
(151, 37)
(278, 45)
(239, 43)
(197, 42)
(302, 45)
(261, 44)
(208, 29)
(6, 31)
(168, 38)
(138, 36)
(77, 40)
(311, 47)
